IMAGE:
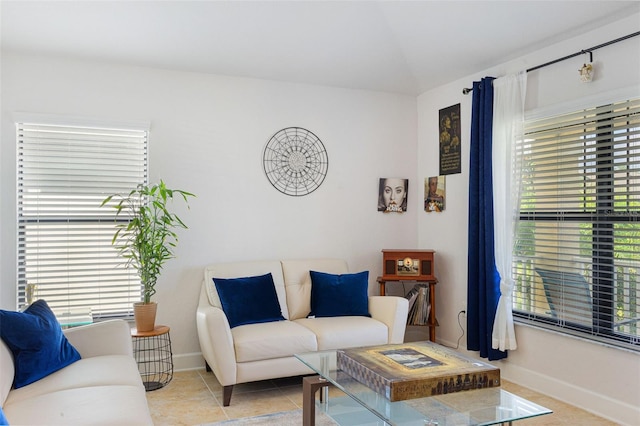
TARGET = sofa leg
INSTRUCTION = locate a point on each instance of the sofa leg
(206, 367)
(226, 395)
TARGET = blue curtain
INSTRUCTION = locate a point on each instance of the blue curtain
(483, 280)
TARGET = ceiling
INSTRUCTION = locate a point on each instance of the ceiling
(394, 46)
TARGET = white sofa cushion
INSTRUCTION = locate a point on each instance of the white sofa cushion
(270, 340)
(111, 337)
(103, 405)
(298, 281)
(96, 371)
(346, 332)
(245, 269)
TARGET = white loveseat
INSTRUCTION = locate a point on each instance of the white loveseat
(102, 388)
(263, 351)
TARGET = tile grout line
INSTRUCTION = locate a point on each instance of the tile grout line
(213, 394)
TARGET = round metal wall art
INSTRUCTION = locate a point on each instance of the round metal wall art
(295, 161)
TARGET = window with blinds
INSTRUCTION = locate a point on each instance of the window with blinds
(577, 255)
(64, 236)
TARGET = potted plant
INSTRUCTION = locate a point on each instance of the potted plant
(147, 240)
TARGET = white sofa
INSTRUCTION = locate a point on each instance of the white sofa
(102, 388)
(263, 351)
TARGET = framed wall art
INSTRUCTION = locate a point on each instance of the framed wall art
(393, 195)
(434, 194)
(450, 158)
(295, 161)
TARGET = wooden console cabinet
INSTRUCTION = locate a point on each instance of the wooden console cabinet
(412, 266)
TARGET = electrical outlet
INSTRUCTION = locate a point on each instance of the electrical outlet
(463, 306)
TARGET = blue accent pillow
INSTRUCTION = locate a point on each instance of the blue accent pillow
(36, 340)
(339, 295)
(249, 300)
(3, 419)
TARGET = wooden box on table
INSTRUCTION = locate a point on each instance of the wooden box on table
(416, 370)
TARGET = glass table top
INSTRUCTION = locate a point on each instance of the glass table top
(75, 318)
(474, 407)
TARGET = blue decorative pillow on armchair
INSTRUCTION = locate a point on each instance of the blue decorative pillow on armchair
(36, 340)
(249, 300)
(339, 295)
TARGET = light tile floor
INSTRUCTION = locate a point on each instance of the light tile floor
(195, 397)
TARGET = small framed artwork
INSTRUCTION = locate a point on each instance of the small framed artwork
(393, 194)
(450, 159)
(434, 194)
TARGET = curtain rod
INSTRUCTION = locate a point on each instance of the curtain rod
(467, 90)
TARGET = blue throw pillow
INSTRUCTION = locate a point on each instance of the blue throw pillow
(339, 295)
(36, 340)
(3, 419)
(249, 300)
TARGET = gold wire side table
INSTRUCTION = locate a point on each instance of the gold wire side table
(152, 351)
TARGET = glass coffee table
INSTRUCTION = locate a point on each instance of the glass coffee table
(363, 406)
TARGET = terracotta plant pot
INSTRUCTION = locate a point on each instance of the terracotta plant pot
(145, 315)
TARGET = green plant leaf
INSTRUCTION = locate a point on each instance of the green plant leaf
(147, 239)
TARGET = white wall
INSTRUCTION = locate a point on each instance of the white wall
(207, 136)
(592, 376)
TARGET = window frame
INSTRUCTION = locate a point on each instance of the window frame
(603, 286)
(103, 220)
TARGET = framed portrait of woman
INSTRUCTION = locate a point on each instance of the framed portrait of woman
(393, 194)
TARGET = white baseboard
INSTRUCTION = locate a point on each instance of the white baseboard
(588, 400)
(184, 362)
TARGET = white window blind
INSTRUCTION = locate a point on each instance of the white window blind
(64, 236)
(577, 256)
